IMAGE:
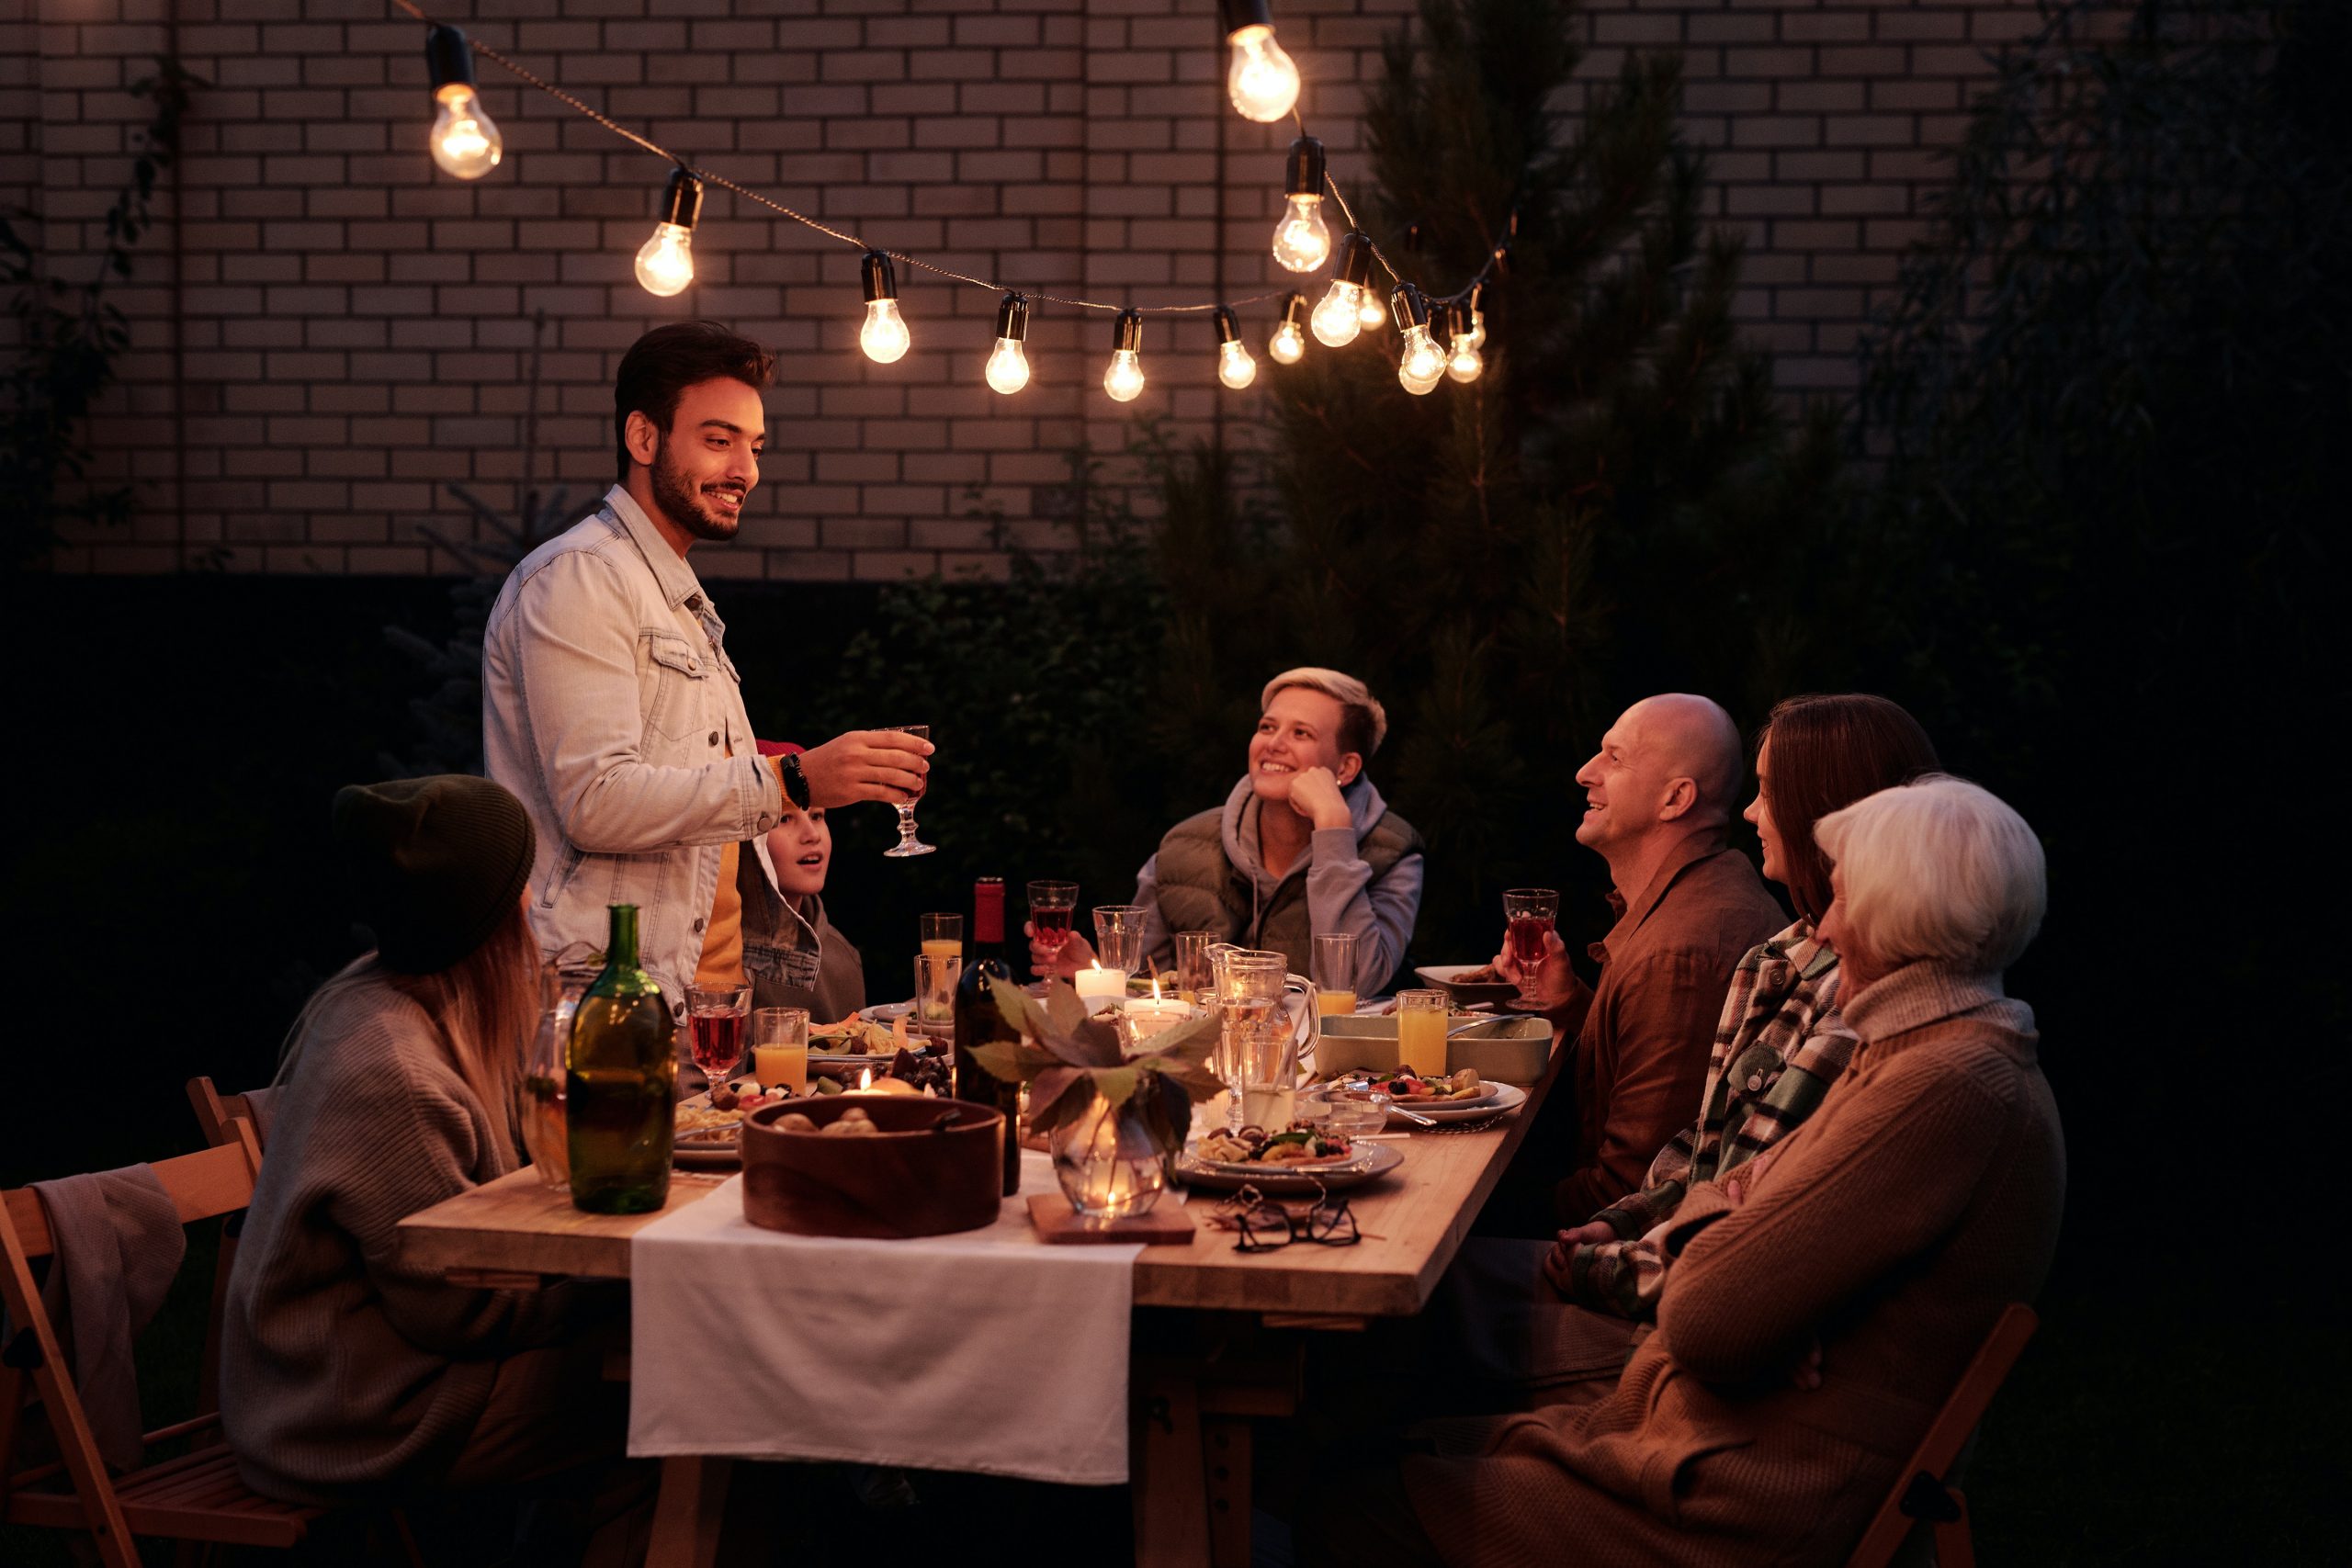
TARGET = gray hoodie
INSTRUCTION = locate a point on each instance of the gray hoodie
(1340, 893)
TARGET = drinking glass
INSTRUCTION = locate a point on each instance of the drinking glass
(908, 843)
(936, 977)
(780, 1047)
(1334, 965)
(715, 1024)
(545, 1133)
(1529, 913)
(1420, 1033)
(1118, 936)
(1192, 979)
(1050, 904)
(941, 934)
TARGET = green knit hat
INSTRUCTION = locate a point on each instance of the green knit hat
(433, 864)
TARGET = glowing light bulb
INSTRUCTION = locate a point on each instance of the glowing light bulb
(1423, 366)
(1302, 241)
(1370, 315)
(1477, 335)
(1335, 321)
(465, 141)
(1463, 362)
(1124, 378)
(1288, 346)
(884, 336)
(665, 264)
(1235, 367)
(1007, 369)
(1263, 82)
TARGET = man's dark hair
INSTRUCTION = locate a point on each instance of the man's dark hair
(661, 366)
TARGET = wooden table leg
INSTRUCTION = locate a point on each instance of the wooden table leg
(687, 1516)
(1224, 1442)
(1171, 1497)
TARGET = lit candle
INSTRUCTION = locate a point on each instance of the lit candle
(1099, 988)
(1147, 1016)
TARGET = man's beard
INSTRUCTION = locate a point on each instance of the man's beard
(681, 500)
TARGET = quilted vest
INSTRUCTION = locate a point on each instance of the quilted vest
(1199, 890)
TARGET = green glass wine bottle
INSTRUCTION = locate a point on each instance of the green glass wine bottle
(620, 1083)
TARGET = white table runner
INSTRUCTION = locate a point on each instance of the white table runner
(986, 1351)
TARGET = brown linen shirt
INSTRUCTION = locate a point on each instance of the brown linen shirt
(1649, 1028)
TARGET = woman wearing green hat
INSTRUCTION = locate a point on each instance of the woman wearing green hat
(343, 1369)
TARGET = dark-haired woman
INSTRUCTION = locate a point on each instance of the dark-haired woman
(1779, 1045)
(347, 1372)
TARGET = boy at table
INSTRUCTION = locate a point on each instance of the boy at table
(812, 964)
(611, 708)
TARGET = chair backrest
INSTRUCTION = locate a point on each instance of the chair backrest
(214, 1112)
(202, 1186)
(1947, 1435)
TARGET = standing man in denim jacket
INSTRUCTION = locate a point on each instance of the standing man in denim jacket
(611, 710)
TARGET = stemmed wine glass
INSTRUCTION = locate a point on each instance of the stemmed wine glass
(1050, 905)
(1528, 914)
(908, 843)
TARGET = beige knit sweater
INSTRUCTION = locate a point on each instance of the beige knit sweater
(341, 1367)
(1893, 1226)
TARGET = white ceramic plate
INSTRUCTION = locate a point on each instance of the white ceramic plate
(1279, 1181)
(1446, 978)
(1506, 1098)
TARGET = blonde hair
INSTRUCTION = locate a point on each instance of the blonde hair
(1363, 723)
(1939, 869)
(485, 1007)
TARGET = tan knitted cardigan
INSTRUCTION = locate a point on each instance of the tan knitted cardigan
(1893, 1226)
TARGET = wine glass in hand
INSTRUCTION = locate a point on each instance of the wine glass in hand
(908, 843)
(1529, 912)
(1051, 905)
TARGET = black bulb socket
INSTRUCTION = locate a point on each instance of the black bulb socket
(1128, 331)
(881, 283)
(1294, 308)
(1303, 168)
(681, 202)
(1013, 317)
(1228, 330)
(1238, 13)
(449, 57)
(1355, 259)
(1470, 302)
(1409, 306)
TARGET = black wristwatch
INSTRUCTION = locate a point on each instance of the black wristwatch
(795, 783)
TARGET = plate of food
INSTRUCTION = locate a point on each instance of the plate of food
(704, 1135)
(1502, 1100)
(1468, 985)
(1463, 1089)
(1206, 1167)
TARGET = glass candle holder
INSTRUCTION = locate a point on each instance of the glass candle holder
(1107, 1165)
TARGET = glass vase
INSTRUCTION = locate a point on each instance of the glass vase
(1108, 1163)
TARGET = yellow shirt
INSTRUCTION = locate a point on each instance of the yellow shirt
(722, 940)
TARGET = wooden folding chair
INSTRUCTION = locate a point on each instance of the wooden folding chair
(196, 1496)
(1925, 1495)
(214, 1112)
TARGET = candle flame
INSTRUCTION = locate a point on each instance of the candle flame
(865, 1078)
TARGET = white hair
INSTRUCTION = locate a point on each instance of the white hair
(1365, 718)
(1939, 869)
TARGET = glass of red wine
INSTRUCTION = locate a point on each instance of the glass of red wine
(1051, 905)
(908, 843)
(715, 1018)
(1529, 913)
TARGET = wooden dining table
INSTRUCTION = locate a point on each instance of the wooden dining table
(1236, 1358)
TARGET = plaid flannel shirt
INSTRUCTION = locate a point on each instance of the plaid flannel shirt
(1779, 1046)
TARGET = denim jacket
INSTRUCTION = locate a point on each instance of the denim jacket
(610, 708)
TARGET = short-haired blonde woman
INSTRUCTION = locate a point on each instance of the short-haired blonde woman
(1303, 845)
(1829, 1293)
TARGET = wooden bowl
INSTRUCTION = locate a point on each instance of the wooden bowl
(935, 1167)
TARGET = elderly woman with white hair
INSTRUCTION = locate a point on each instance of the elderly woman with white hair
(1828, 1295)
(1303, 846)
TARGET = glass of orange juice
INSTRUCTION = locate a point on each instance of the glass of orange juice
(780, 1047)
(1335, 973)
(942, 935)
(1420, 1033)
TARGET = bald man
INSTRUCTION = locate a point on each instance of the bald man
(1658, 799)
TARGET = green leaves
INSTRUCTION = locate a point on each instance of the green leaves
(1071, 1060)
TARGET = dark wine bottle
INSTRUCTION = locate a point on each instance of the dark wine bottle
(620, 1083)
(977, 1022)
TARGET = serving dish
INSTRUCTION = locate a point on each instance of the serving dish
(1283, 1180)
